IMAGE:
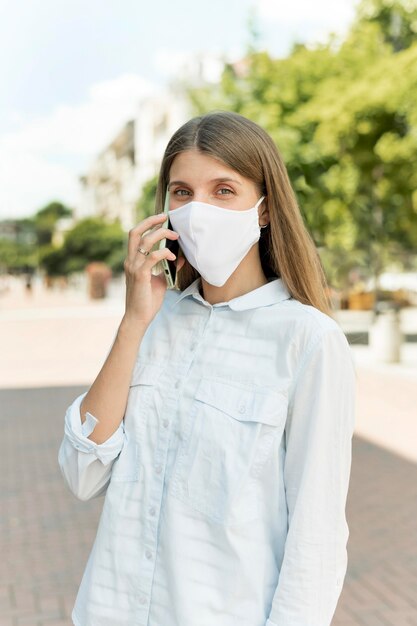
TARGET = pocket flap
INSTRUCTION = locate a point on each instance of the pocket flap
(244, 402)
(145, 373)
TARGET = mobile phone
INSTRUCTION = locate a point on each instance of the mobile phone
(169, 267)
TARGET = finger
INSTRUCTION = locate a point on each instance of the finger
(155, 257)
(136, 233)
(156, 235)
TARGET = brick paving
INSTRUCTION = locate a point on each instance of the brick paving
(381, 581)
(46, 533)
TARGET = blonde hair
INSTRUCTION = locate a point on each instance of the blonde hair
(286, 248)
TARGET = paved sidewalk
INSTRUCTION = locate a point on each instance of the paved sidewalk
(52, 346)
(46, 533)
(381, 581)
(55, 338)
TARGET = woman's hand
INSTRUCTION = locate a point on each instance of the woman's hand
(144, 291)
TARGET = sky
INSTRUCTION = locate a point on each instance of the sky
(72, 72)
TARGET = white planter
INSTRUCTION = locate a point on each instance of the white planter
(386, 337)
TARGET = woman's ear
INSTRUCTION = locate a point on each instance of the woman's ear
(264, 215)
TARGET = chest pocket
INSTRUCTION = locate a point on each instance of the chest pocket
(227, 440)
(143, 381)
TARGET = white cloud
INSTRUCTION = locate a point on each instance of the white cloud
(27, 182)
(170, 62)
(306, 20)
(42, 159)
(305, 10)
(191, 65)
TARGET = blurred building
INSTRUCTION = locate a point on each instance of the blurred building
(18, 231)
(108, 188)
(114, 182)
(158, 118)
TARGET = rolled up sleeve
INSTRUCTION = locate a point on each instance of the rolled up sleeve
(317, 466)
(86, 465)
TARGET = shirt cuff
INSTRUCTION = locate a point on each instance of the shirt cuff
(78, 432)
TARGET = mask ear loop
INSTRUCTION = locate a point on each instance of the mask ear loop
(256, 206)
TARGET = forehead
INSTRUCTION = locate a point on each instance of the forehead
(195, 165)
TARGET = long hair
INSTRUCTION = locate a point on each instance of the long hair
(286, 248)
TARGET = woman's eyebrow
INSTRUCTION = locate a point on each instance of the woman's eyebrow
(224, 179)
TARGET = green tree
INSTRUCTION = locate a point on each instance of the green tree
(55, 261)
(45, 220)
(32, 238)
(146, 203)
(91, 239)
(368, 139)
(396, 20)
(16, 257)
(343, 116)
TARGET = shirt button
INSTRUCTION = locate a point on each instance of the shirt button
(158, 469)
(152, 510)
(165, 423)
(193, 345)
(148, 554)
(242, 408)
(177, 384)
(142, 599)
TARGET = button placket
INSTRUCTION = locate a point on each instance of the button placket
(153, 511)
(150, 542)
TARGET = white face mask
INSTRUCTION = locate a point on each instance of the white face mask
(213, 239)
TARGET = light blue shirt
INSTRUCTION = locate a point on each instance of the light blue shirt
(226, 483)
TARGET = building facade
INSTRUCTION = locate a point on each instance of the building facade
(114, 182)
(108, 188)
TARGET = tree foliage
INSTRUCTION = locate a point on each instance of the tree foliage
(343, 116)
(146, 203)
(45, 220)
(16, 256)
(91, 239)
(396, 20)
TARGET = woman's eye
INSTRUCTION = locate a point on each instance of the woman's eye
(225, 189)
(178, 192)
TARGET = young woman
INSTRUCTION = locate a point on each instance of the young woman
(220, 425)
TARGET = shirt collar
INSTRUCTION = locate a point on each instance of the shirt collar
(271, 293)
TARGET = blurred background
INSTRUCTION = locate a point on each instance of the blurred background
(91, 93)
